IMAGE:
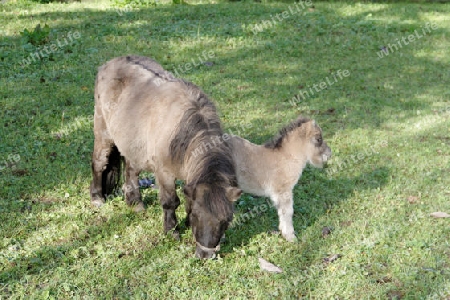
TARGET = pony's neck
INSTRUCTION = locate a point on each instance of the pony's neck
(210, 167)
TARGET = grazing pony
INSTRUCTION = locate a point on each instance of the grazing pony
(273, 169)
(155, 122)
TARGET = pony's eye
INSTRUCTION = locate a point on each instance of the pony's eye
(319, 140)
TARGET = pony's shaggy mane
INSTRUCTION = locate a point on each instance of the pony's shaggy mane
(277, 141)
(198, 126)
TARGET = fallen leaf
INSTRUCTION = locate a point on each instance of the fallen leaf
(20, 172)
(345, 223)
(331, 258)
(267, 266)
(385, 279)
(412, 199)
(326, 231)
(439, 214)
(391, 295)
(331, 110)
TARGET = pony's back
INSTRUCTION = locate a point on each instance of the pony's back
(142, 105)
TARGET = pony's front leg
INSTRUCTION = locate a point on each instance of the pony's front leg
(285, 207)
(169, 201)
(131, 187)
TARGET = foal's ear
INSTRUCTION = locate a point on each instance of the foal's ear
(233, 193)
(189, 191)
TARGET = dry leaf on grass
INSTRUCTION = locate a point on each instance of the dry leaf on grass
(331, 258)
(439, 214)
(267, 266)
(412, 199)
(326, 231)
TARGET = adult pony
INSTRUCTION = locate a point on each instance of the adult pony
(156, 121)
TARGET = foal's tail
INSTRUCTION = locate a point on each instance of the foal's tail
(111, 175)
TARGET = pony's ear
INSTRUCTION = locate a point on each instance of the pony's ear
(233, 193)
(189, 191)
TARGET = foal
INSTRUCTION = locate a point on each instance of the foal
(273, 169)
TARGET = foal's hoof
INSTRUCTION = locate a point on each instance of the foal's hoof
(290, 237)
(97, 202)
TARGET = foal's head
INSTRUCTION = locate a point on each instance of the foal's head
(317, 151)
(309, 137)
(306, 136)
(211, 212)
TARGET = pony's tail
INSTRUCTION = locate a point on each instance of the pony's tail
(111, 175)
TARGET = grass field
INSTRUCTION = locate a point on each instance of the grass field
(387, 122)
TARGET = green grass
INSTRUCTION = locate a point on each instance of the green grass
(54, 245)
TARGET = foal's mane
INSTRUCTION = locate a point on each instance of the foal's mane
(198, 126)
(277, 141)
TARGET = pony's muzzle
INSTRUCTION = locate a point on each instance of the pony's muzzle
(205, 252)
(326, 155)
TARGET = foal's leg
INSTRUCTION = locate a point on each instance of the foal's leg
(169, 201)
(131, 187)
(285, 207)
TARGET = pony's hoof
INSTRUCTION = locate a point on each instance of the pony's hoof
(176, 235)
(97, 202)
(139, 207)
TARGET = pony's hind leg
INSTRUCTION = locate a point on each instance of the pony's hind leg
(169, 201)
(105, 170)
(131, 187)
(111, 175)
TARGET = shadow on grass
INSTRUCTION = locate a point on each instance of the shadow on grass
(67, 253)
(314, 195)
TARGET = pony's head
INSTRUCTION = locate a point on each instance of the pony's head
(211, 184)
(211, 212)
